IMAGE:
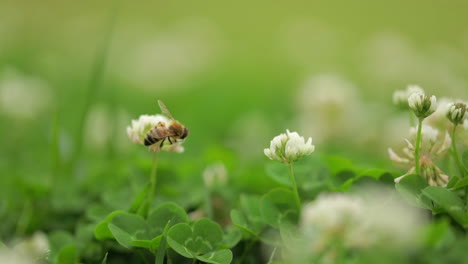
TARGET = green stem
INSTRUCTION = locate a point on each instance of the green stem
(294, 186)
(417, 147)
(455, 153)
(272, 256)
(153, 180)
(194, 261)
(97, 70)
(208, 205)
(460, 166)
(246, 250)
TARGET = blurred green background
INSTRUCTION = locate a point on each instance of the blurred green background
(235, 73)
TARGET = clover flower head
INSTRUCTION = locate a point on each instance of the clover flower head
(422, 105)
(433, 145)
(400, 97)
(289, 147)
(358, 220)
(139, 128)
(215, 174)
(457, 113)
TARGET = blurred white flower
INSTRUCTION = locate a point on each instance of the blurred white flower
(457, 113)
(31, 250)
(422, 105)
(23, 96)
(400, 97)
(371, 219)
(35, 247)
(289, 147)
(330, 109)
(428, 134)
(439, 117)
(465, 124)
(215, 174)
(102, 124)
(12, 257)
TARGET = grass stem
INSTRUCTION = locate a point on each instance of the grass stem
(418, 147)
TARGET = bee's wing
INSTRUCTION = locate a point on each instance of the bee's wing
(164, 110)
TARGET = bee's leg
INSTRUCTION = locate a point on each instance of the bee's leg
(170, 141)
(162, 143)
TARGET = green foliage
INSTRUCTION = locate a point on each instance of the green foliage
(201, 240)
(449, 202)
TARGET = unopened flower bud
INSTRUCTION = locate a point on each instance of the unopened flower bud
(457, 113)
(422, 105)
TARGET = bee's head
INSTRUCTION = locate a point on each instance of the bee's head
(185, 133)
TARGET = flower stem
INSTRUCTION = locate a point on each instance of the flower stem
(418, 146)
(455, 153)
(294, 186)
(153, 180)
(458, 161)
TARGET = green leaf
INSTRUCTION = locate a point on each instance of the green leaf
(465, 159)
(410, 187)
(128, 227)
(102, 230)
(164, 213)
(180, 239)
(223, 256)
(152, 244)
(67, 255)
(278, 172)
(450, 202)
(438, 233)
(278, 205)
(461, 183)
(231, 238)
(202, 237)
(452, 181)
(139, 199)
(337, 164)
(57, 240)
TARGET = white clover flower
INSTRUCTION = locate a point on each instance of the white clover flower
(433, 145)
(23, 96)
(139, 128)
(289, 147)
(422, 105)
(215, 174)
(465, 124)
(457, 113)
(400, 97)
(359, 221)
(36, 247)
(428, 133)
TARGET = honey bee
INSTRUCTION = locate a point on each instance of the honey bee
(172, 132)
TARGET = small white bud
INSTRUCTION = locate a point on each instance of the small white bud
(215, 174)
(457, 113)
(422, 105)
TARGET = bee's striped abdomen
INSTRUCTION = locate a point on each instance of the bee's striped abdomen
(151, 138)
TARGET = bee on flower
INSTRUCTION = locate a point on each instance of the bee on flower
(158, 131)
(433, 145)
